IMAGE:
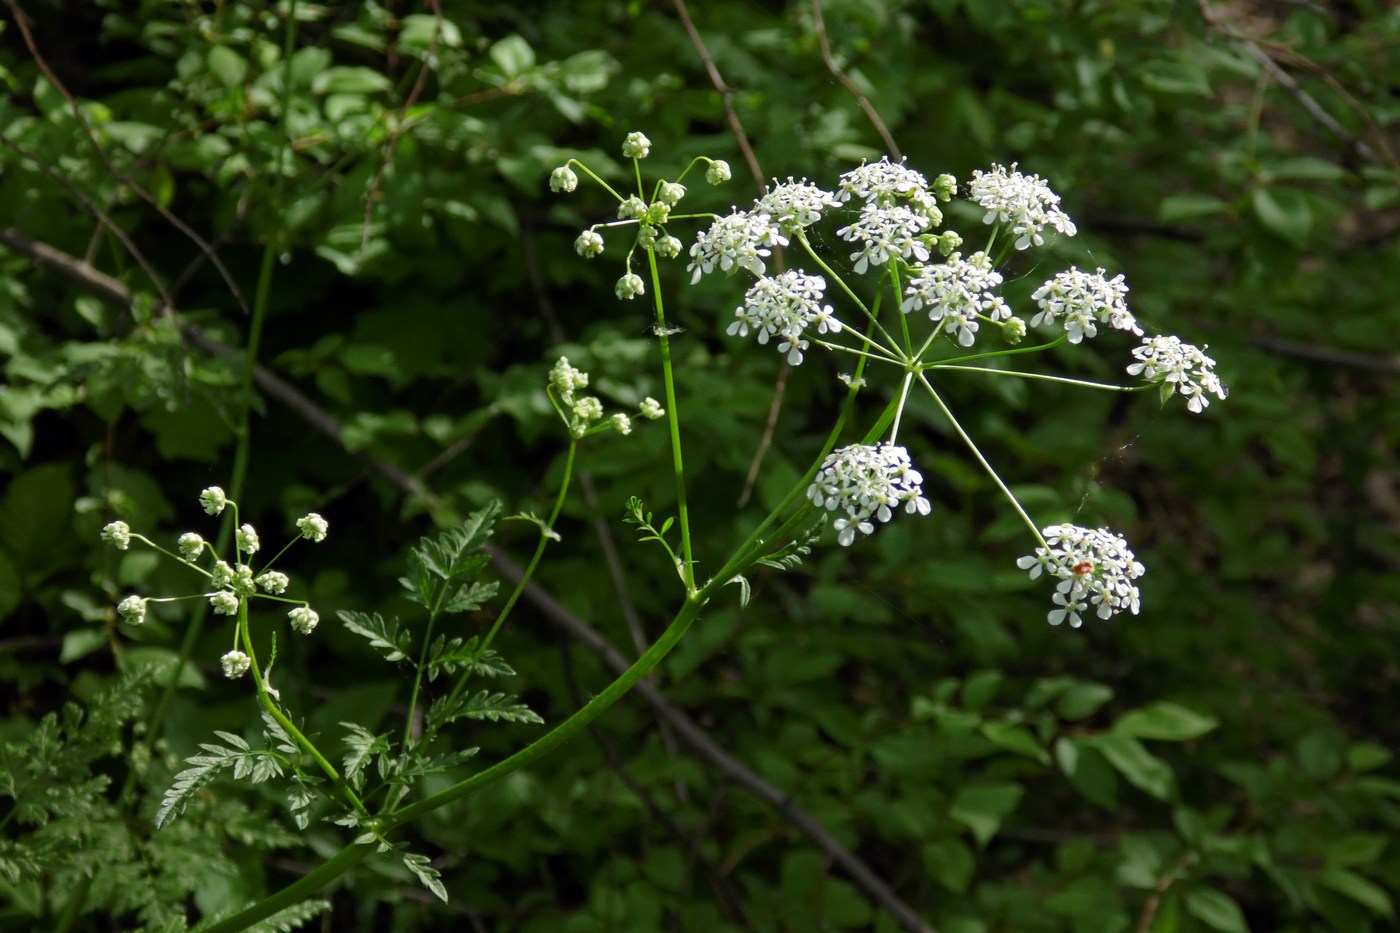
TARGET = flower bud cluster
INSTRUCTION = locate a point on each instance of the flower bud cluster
(584, 414)
(1178, 367)
(1096, 570)
(1024, 203)
(866, 482)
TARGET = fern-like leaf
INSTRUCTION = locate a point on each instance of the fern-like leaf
(496, 707)
(362, 746)
(385, 637)
(429, 876)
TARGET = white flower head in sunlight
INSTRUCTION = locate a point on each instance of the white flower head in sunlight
(885, 233)
(1024, 203)
(1083, 300)
(1096, 570)
(887, 183)
(794, 204)
(784, 307)
(957, 291)
(735, 241)
(1178, 368)
(865, 482)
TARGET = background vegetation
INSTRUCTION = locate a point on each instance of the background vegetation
(891, 735)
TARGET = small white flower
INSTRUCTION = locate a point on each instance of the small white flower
(886, 183)
(794, 204)
(563, 179)
(866, 482)
(191, 546)
(247, 539)
(636, 146)
(1024, 202)
(652, 409)
(885, 233)
(1095, 567)
(235, 664)
(783, 307)
(718, 172)
(671, 192)
(274, 582)
(621, 423)
(117, 533)
(958, 292)
(589, 244)
(313, 527)
(304, 619)
(1081, 301)
(734, 241)
(630, 286)
(225, 603)
(132, 610)
(213, 500)
(1178, 368)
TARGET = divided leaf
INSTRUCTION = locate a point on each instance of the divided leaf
(386, 637)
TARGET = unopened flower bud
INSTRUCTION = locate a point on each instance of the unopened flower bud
(718, 172)
(274, 582)
(630, 286)
(117, 533)
(132, 610)
(247, 538)
(191, 545)
(589, 244)
(636, 146)
(631, 209)
(671, 192)
(563, 179)
(621, 423)
(235, 664)
(225, 603)
(213, 500)
(668, 247)
(313, 527)
(652, 409)
(304, 619)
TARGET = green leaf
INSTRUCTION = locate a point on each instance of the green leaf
(343, 80)
(1140, 767)
(429, 876)
(1016, 738)
(1356, 849)
(950, 862)
(982, 807)
(1165, 721)
(512, 55)
(1082, 701)
(1367, 756)
(383, 636)
(980, 688)
(1284, 212)
(484, 705)
(1088, 771)
(1216, 909)
(80, 643)
(1362, 890)
(228, 66)
(1178, 207)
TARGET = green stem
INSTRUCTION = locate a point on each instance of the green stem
(276, 713)
(1013, 351)
(870, 315)
(971, 445)
(1040, 376)
(673, 421)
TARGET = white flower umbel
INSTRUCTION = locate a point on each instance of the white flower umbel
(784, 306)
(274, 582)
(735, 241)
(885, 233)
(1024, 203)
(1096, 570)
(795, 204)
(636, 146)
(235, 664)
(225, 603)
(885, 183)
(717, 173)
(867, 482)
(651, 408)
(957, 291)
(563, 179)
(1178, 367)
(630, 286)
(242, 583)
(247, 538)
(1082, 300)
(589, 244)
(117, 534)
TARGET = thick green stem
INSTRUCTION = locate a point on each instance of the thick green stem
(673, 421)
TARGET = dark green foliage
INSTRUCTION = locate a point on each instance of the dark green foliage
(1221, 762)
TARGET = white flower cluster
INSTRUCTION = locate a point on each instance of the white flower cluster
(884, 233)
(1024, 202)
(866, 482)
(1178, 367)
(1096, 570)
(117, 534)
(885, 183)
(785, 306)
(958, 291)
(583, 414)
(740, 240)
(794, 204)
(1081, 300)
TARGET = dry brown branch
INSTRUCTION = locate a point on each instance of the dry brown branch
(840, 75)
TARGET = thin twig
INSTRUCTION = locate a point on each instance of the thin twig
(22, 21)
(726, 94)
(836, 72)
